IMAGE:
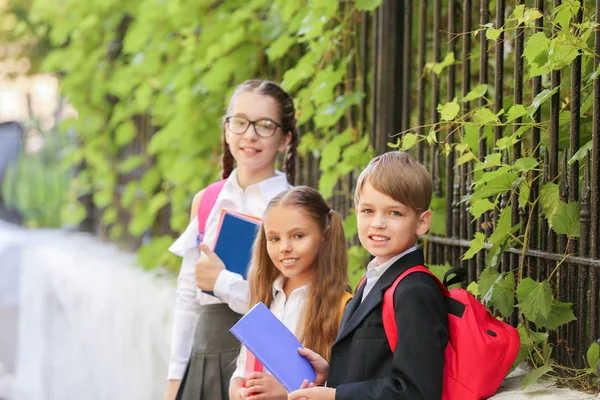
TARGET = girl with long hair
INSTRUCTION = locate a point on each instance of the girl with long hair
(299, 270)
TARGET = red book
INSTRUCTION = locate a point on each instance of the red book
(252, 365)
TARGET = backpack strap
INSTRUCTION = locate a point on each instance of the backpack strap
(209, 198)
(388, 313)
(362, 282)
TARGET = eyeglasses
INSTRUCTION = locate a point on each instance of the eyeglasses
(262, 127)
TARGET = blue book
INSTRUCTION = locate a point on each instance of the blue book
(235, 240)
(275, 346)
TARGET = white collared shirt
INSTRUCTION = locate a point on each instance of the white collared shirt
(375, 271)
(287, 310)
(230, 288)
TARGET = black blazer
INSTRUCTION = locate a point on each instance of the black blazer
(362, 365)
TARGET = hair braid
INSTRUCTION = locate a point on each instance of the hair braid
(226, 159)
(291, 155)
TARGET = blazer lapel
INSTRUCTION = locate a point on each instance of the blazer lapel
(352, 306)
(353, 317)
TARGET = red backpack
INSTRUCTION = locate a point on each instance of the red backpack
(481, 349)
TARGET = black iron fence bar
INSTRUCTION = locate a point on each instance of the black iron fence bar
(595, 185)
(407, 66)
(421, 154)
(484, 15)
(589, 262)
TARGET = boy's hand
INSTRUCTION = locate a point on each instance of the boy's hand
(318, 363)
(265, 387)
(208, 269)
(312, 393)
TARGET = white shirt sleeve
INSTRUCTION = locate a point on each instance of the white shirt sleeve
(240, 370)
(185, 317)
(234, 290)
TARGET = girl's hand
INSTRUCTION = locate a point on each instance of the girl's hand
(172, 389)
(265, 387)
(237, 391)
(208, 269)
(318, 363)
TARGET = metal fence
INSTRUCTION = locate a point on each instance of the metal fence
(403, 97)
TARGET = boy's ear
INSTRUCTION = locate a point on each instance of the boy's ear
(424, 222)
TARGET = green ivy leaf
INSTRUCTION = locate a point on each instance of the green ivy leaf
(524, 192)
(530, 15)
(439, 67)
(279, 47)
(330, 156)
(565, 221)
(530, 336)
(327, 183)
(592, 357)
(485, 116)
(495, 183)
(536, 49)
(493, 34)
(581, 153)
(549, 199)
(488, 277)
(526, 164)
(564, 13)
(304, 69)
(539, 99)
(480, 206)
(475, 246)
(563, 51)
(449, 111)
(357, 259)
(409, 140)
(533, 375)
(141, 220)
(560, 314)
(157, 202)
(465, 158)
(350, 226)
(518, 12)
(367, 5)
(473, 288)
(535, 298)
(516, 111)
(503, 295)
(125, 133)
(504, 229)
(491, 160)
(73, 213)
(476, 93)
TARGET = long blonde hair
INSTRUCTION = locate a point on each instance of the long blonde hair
(330, 280)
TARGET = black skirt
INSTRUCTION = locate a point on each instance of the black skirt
(214, 354)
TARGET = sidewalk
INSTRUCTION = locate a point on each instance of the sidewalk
(544, 389)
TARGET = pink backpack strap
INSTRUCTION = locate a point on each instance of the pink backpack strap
(209, 198)
(388, 313)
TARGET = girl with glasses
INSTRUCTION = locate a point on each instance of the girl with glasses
(260, 123)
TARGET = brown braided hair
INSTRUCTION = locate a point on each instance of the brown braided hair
(288, 124)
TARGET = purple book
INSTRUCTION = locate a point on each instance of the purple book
(275, 346)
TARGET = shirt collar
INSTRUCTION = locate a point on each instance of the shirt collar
(269, 187)
(378, 270)
(279, 282)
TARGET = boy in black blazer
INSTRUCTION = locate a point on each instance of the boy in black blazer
(392, 200)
